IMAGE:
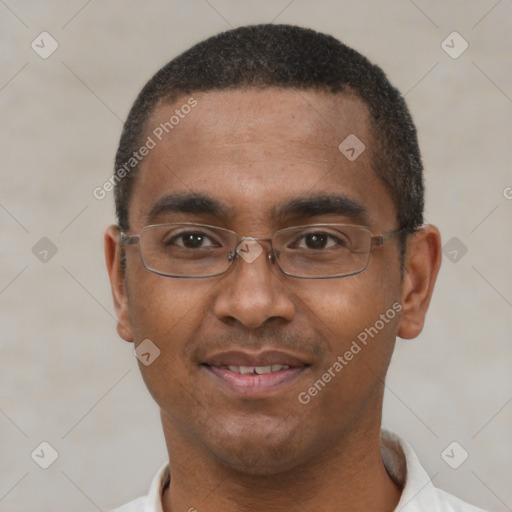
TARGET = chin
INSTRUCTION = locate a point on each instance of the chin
(261, 449)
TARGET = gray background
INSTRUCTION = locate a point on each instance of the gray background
(67, 379)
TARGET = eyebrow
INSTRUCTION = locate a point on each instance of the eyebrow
(312, 206)
(187, 203)
(299, 207)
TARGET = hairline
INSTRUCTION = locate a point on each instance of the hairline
(171, 99)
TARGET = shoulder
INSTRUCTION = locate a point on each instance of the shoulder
(418, 492)
(153, 501)
(451, 503)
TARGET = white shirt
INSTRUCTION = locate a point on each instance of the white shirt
(402, 464)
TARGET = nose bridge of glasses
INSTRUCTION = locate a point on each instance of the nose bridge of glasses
(249, 248)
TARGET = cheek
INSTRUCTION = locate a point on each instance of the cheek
(358, 316)
(167, 312)
(163, 308)
(343, 308)
(360, 328)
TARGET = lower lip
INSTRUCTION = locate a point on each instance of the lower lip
(253, 385)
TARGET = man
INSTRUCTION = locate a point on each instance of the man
(269, 249)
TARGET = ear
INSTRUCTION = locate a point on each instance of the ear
(422, 262)
(117, 283)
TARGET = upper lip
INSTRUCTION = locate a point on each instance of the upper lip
(261, 358)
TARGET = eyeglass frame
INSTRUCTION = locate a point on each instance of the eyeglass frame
(375, 241)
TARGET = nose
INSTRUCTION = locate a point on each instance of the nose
(254, 290)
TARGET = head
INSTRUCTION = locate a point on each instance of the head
(294, 59)
(245, 130)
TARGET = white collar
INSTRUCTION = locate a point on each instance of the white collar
(402, 465)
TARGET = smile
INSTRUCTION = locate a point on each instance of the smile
(254, 376)
(260, 370)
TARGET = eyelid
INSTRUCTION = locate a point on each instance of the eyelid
(181, 232)
(198, 230)
(300, 238)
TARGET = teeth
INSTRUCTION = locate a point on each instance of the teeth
(259, 370)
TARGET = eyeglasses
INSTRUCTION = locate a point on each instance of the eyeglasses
(315, 251)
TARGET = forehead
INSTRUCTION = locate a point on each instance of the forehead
(285, 118)
(252, 149)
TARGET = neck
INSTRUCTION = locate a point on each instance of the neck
(350, 477)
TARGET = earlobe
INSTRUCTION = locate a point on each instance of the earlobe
(117, 284)
(422, 263)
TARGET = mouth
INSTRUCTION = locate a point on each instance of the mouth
(255, 375)
(256, 370)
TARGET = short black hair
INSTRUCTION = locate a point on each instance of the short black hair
(260, 56)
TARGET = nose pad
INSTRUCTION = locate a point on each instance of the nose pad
(272, 256)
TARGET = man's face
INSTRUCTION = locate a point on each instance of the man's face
(253, 152)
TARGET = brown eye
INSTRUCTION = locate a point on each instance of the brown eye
(190, 240)
(316, 240)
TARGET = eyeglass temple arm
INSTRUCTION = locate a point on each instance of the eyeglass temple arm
(381, 239)
(129, 240)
